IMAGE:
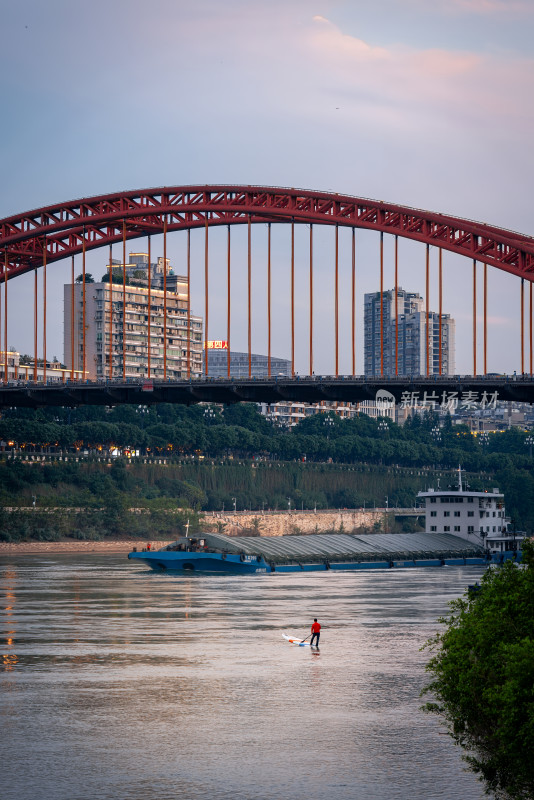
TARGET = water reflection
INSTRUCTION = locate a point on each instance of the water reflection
(9, 657)
(129, 684)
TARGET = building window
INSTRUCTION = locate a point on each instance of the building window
(447, 528)
(432, 499)
(433, 513)
(470, 513)
(433, 528)
(456, 527)
(470, 529)
(446, 513)
(456, 513)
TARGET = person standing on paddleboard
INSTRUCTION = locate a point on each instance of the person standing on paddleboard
(316, 632)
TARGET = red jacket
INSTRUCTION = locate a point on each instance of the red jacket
(315, 628)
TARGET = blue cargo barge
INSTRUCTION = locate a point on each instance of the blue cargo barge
(215, 552)
(199, 560)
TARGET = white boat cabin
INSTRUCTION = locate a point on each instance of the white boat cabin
(478, 517)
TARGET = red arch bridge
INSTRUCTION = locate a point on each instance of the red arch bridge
(37, 240)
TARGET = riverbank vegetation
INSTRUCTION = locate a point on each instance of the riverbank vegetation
(240, 430)
(482, 677)
(207, 459)
(95, 524)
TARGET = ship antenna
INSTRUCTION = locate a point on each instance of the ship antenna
(187, 529)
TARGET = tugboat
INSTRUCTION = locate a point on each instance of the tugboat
(477, 517)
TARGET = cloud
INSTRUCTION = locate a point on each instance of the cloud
(480, 7)
(490, 6)
(505, 322)
(333, 42)
(426, 85)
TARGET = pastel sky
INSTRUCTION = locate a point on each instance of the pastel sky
(427, 103)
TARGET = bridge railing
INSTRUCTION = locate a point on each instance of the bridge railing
(274, 379)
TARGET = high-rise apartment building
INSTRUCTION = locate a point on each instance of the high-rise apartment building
(400, 345)
(118, 333)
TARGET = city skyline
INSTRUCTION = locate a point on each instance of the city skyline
(388, 102)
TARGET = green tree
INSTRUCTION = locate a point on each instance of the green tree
(483, 677)
(246, 415)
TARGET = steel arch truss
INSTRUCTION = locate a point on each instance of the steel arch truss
(64, 230)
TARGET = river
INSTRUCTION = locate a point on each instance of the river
(118, 683)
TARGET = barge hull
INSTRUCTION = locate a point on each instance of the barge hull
(215, 563)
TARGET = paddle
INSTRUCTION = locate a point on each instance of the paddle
(307, 637)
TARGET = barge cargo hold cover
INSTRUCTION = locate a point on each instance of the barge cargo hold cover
(216, 552)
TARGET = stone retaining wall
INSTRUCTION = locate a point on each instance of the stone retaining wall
(295, 522)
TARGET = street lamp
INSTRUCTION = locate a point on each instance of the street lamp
(289, 504)
(329, 423)
(142, 411)
(234, 502)
(209, 414)
(514, 531)
(436, 434)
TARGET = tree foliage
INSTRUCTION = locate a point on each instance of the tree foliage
(241, 432)
(483, 677)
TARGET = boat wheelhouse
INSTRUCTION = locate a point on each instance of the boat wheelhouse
(478, 517)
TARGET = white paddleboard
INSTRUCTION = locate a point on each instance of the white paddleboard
(295, 640)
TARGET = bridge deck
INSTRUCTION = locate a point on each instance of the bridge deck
(432, 391)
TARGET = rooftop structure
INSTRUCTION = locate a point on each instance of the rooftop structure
(139, 270)
(54, 372)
